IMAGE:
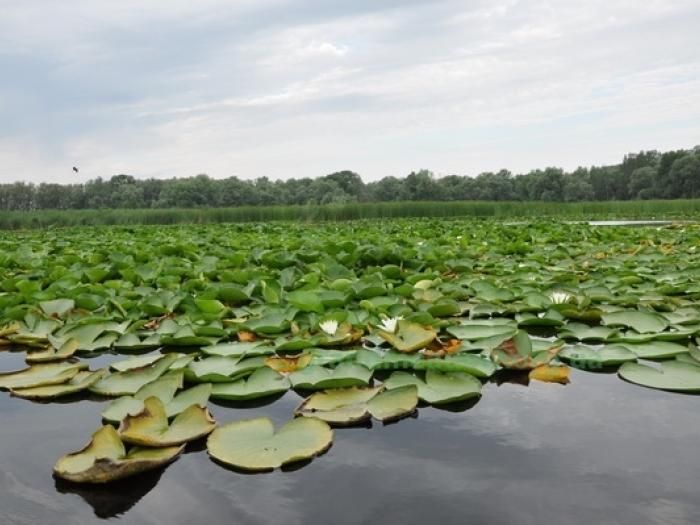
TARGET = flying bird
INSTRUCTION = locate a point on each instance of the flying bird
(75, 169)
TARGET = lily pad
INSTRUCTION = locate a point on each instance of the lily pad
(66, 351)
(222, 369)
(656, 349)
(254, 445)
(319, 377)
(261, 383)
(106, 459)
(588, 358)
(129, 382)
(674, 376)
(163, 388)
(438, 388)
(390, 360)
(642, 322)
(518, 353)
(348, 406)
(150, 426)
(471, 364)
(79, 382)
(409, 337)
(40, 375)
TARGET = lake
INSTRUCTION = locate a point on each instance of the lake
(598, 450)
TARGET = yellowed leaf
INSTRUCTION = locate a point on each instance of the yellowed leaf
(246, 337)
(551, 374)
(288, 364)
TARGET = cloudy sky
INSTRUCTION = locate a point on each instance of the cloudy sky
(286, 88)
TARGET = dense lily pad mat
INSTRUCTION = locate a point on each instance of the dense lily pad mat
(405, 309)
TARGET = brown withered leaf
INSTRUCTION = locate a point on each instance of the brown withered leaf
(245, 336)
(288, 364)
(438, 348)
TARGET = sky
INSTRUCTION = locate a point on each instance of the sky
(303, 88)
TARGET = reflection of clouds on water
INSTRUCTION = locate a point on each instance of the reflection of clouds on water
(596, 451)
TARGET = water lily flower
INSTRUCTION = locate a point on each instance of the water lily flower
(559, 297)
(389, 325)
(330, 326)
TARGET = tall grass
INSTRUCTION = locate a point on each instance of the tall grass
(676, 209)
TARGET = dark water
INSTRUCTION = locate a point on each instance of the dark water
(597, 451)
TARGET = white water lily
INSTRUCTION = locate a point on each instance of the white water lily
(559, 297)
(330, 326)
(389, 325)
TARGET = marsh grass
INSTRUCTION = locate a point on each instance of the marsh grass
(672, 209)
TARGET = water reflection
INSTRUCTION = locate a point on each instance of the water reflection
(598, 450)
(113, 499)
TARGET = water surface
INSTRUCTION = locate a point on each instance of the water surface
(597, 451)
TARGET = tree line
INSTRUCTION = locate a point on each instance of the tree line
(643, 175)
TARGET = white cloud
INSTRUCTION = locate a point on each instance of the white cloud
(294, 89)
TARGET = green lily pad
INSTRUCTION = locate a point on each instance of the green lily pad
(438, 388)
(674, 376)
(471, 364)
(66, 351)
(222, 369)
(319, 377)
(135, 362)
(40, 375)
(642, 322)
(390, 360)
(254, 445)
(588, 358)
(239, 349)
(583, 332)
(106, 459)
(163, 388)
(150, 427)
(474, 330)
(261, 383)
(79, 382)
(57, 307)
(656, 349)
(129, 382)
(409, 337)
(348, 406)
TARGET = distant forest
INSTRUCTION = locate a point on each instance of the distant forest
(643, 175)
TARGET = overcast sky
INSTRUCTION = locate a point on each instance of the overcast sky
(307, 87)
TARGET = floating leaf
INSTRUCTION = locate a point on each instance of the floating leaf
(550, 374)
(319, 377)
(40, 375)
(79, 382)
(261, 383)
(587, 358)
(254, 445)
(57, 307)
(150, 426)
(348, 406)
(66, 350)
(222, 369)
(387, 360)
(163, 388)
(135, 362)
(438, 388)
(409, 337)
(471, 364)
(517, 353)
(675, 376)
(642, 322)
(288, 364)
(105, 459)
(129, 382)
(656, 349)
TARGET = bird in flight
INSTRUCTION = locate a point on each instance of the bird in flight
(75, 169)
